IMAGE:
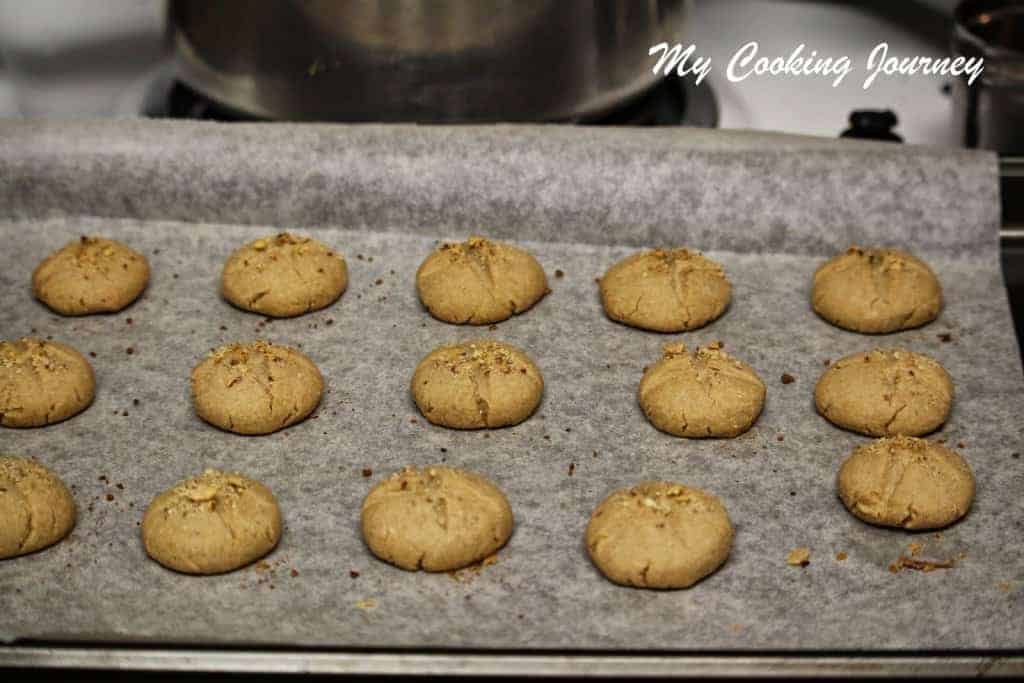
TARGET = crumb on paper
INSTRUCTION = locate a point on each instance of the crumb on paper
(841, 556)
(788, 378)
(353, 574)
(572, 468)
(904, 562)
(799, 557)
(915, 549)
(945, 337)
(367, 604)
(367, 472)
(559, 274)
(262, 566)
(1004, 586)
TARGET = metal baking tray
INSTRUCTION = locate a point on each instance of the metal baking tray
(769, 208)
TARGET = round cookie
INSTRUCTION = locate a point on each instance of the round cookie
(903, 481)
(659, 535)
(706, 393)
(435, 518)
(479, 281)
(477, 384)
(255, 387)
(885, 392)
(42, 382)
(36, 508)
(284, 276)
(665, 290)
(210, 524)
(876, 291)
(91, 275)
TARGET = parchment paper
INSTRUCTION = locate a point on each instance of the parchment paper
(769, 208)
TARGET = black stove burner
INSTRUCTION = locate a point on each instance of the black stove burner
(673, 101)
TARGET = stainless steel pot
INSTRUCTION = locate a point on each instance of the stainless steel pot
(422, 60)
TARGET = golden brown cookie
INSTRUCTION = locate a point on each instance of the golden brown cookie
(665, 290)
(42, 382)
(283, 276)
(659, 535)
(210, 524)
(91, 275)
(477, 384)
(903, 481)
(704, 393)
(479, 281)
(876, 291)
(435, 518)
(885, 392)
(36, 508)
(255, 387)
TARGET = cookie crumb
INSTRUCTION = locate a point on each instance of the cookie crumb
(841, 556)
(129, 321)
(353, 573)
(572, 468)
(904, 562)
(378, 281)
(369, 603)
(960, 444)
(135, 401)
(799, 557)
(92, 354)
(294, 573)
(788, 378)
(945, 338)
(827, 362)
(110, 497)
(559, 274)
(915, 549)
(367, 472)
(780, 438)
(130, 350)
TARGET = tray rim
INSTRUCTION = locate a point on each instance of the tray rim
(993, 663)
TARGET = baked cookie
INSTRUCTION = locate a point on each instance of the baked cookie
(659, 535)
(42, 382)
(284, 276)
(477, 384)
(885, 392)
(36, 508)
(435, 518)
(255, 387)
(479, 282)
(903, 481)
(210, 524)
(91, 275)
(665, 290)
(876, 291)
(702, 393)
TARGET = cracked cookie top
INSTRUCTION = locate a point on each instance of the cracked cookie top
(284, 275)
(665, 290)
(211, 523)
(876, 291)
(36, 508)
(91, 275)
(477, 384)
(42, 382)
(659, 534)
(903, 481)
(255, 387)
(479, 282)
(435, 518)
(701, 393)
(885, 392)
